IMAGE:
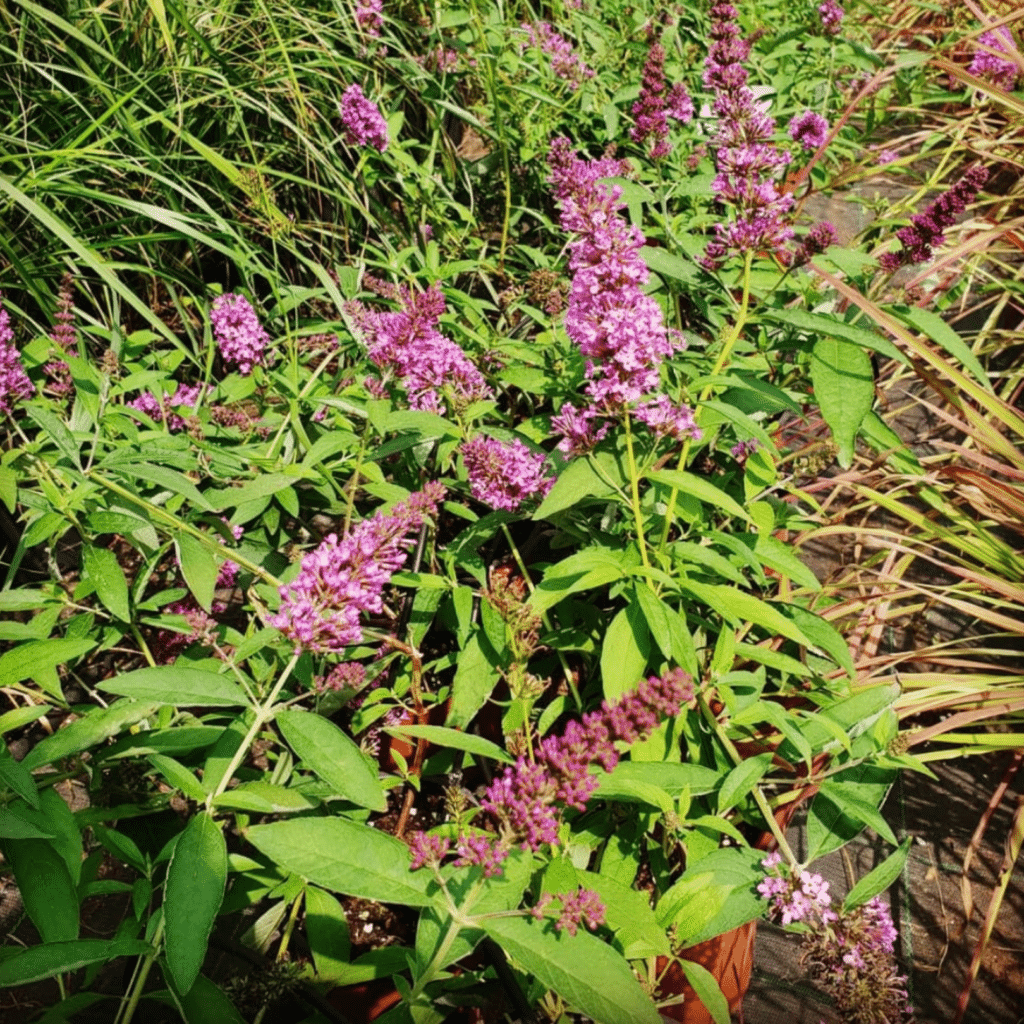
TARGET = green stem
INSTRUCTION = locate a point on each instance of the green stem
(759, 797)
(723, 358)
(634, 487)
(142, 974)
(263, 715)
(174, 523)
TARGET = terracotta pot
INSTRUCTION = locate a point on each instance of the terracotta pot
(729, 957)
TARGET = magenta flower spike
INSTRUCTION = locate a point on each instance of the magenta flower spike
(14, 383)
(657, 104)
(565, 62)
(1001, 73)
(362, 122)
(339, 580)
(809, 129)
(241, 339)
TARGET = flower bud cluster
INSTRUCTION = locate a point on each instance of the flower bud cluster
(369, 16)
(185, 396)
(407, 345)
(340, 579)
(1001, 73)
(831, 17)
(581, 907)
(656, 105)
(925, 229)
(504, 475)
(65, 337)
(809, 129)
(241, 339)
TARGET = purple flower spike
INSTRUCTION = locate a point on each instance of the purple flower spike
(925, 229)
(369, 16)
(14, 383)
(505, 475)
(1001, 73)
(185, 396)
(809, 129)
(363, 123)
(654, 107)
(577, 425)
(241, 339)
(340, 579)
(565, 63)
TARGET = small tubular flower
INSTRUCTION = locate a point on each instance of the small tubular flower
(362, 122)
(504, 475)
(241, 339)
(14, 383)
(340, 579)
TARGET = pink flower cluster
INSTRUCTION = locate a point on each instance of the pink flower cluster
(241, 339)
(619, 329)
(362, 122)
(831, 17)
(340, 579)
(666, 419)
(747, 160)
(849, 952)
(578, 426)
(1001, 73)
(504, 475)
(581, 907)
(527, 799)
(348, 675)
(408, 345)
(655, 106)
(809, 129)
(65, 337)
(160, 410)
(14, 382)
(925, 229)
(565, 62)
(369, 15)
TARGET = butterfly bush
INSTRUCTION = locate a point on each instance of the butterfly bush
(362, 123)
(369, 16)
(746, 157)
(407, 345)
(527, 800)
(342, 578)
(565, 62)
(925, 230)
(504, 475)
(1001, 73)
(65, 339)
(241, 339)
(657, 104)
(14, 383)
(849, 952)
(619, 330)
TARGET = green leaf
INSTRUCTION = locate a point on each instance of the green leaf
(624, 651)
(9, 488)
(199, 568)
(178, 685)
(737, 606)
(929, 323)
(324, 749)
(122, 847)
(701, 489)
(476, 675)
(327, 932)
(46, 886)
(579, 482)
(39, 962)
(194, 891)
(674, 779)
(178, 776)
(58, 433)
(584, 570)
(844, 386)
(17, 778)
(92, 729)
(586, 972)
(262, 487)
(265, 798)
(708, 991)
(828, 826)
(343, 856)
(880, 878)
(169, 479)
(818, 324)
(742, 779)
(12, 826)
(104, 572)
(628, 913)
(29, 660)
(204, 1003)
(442, 737)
